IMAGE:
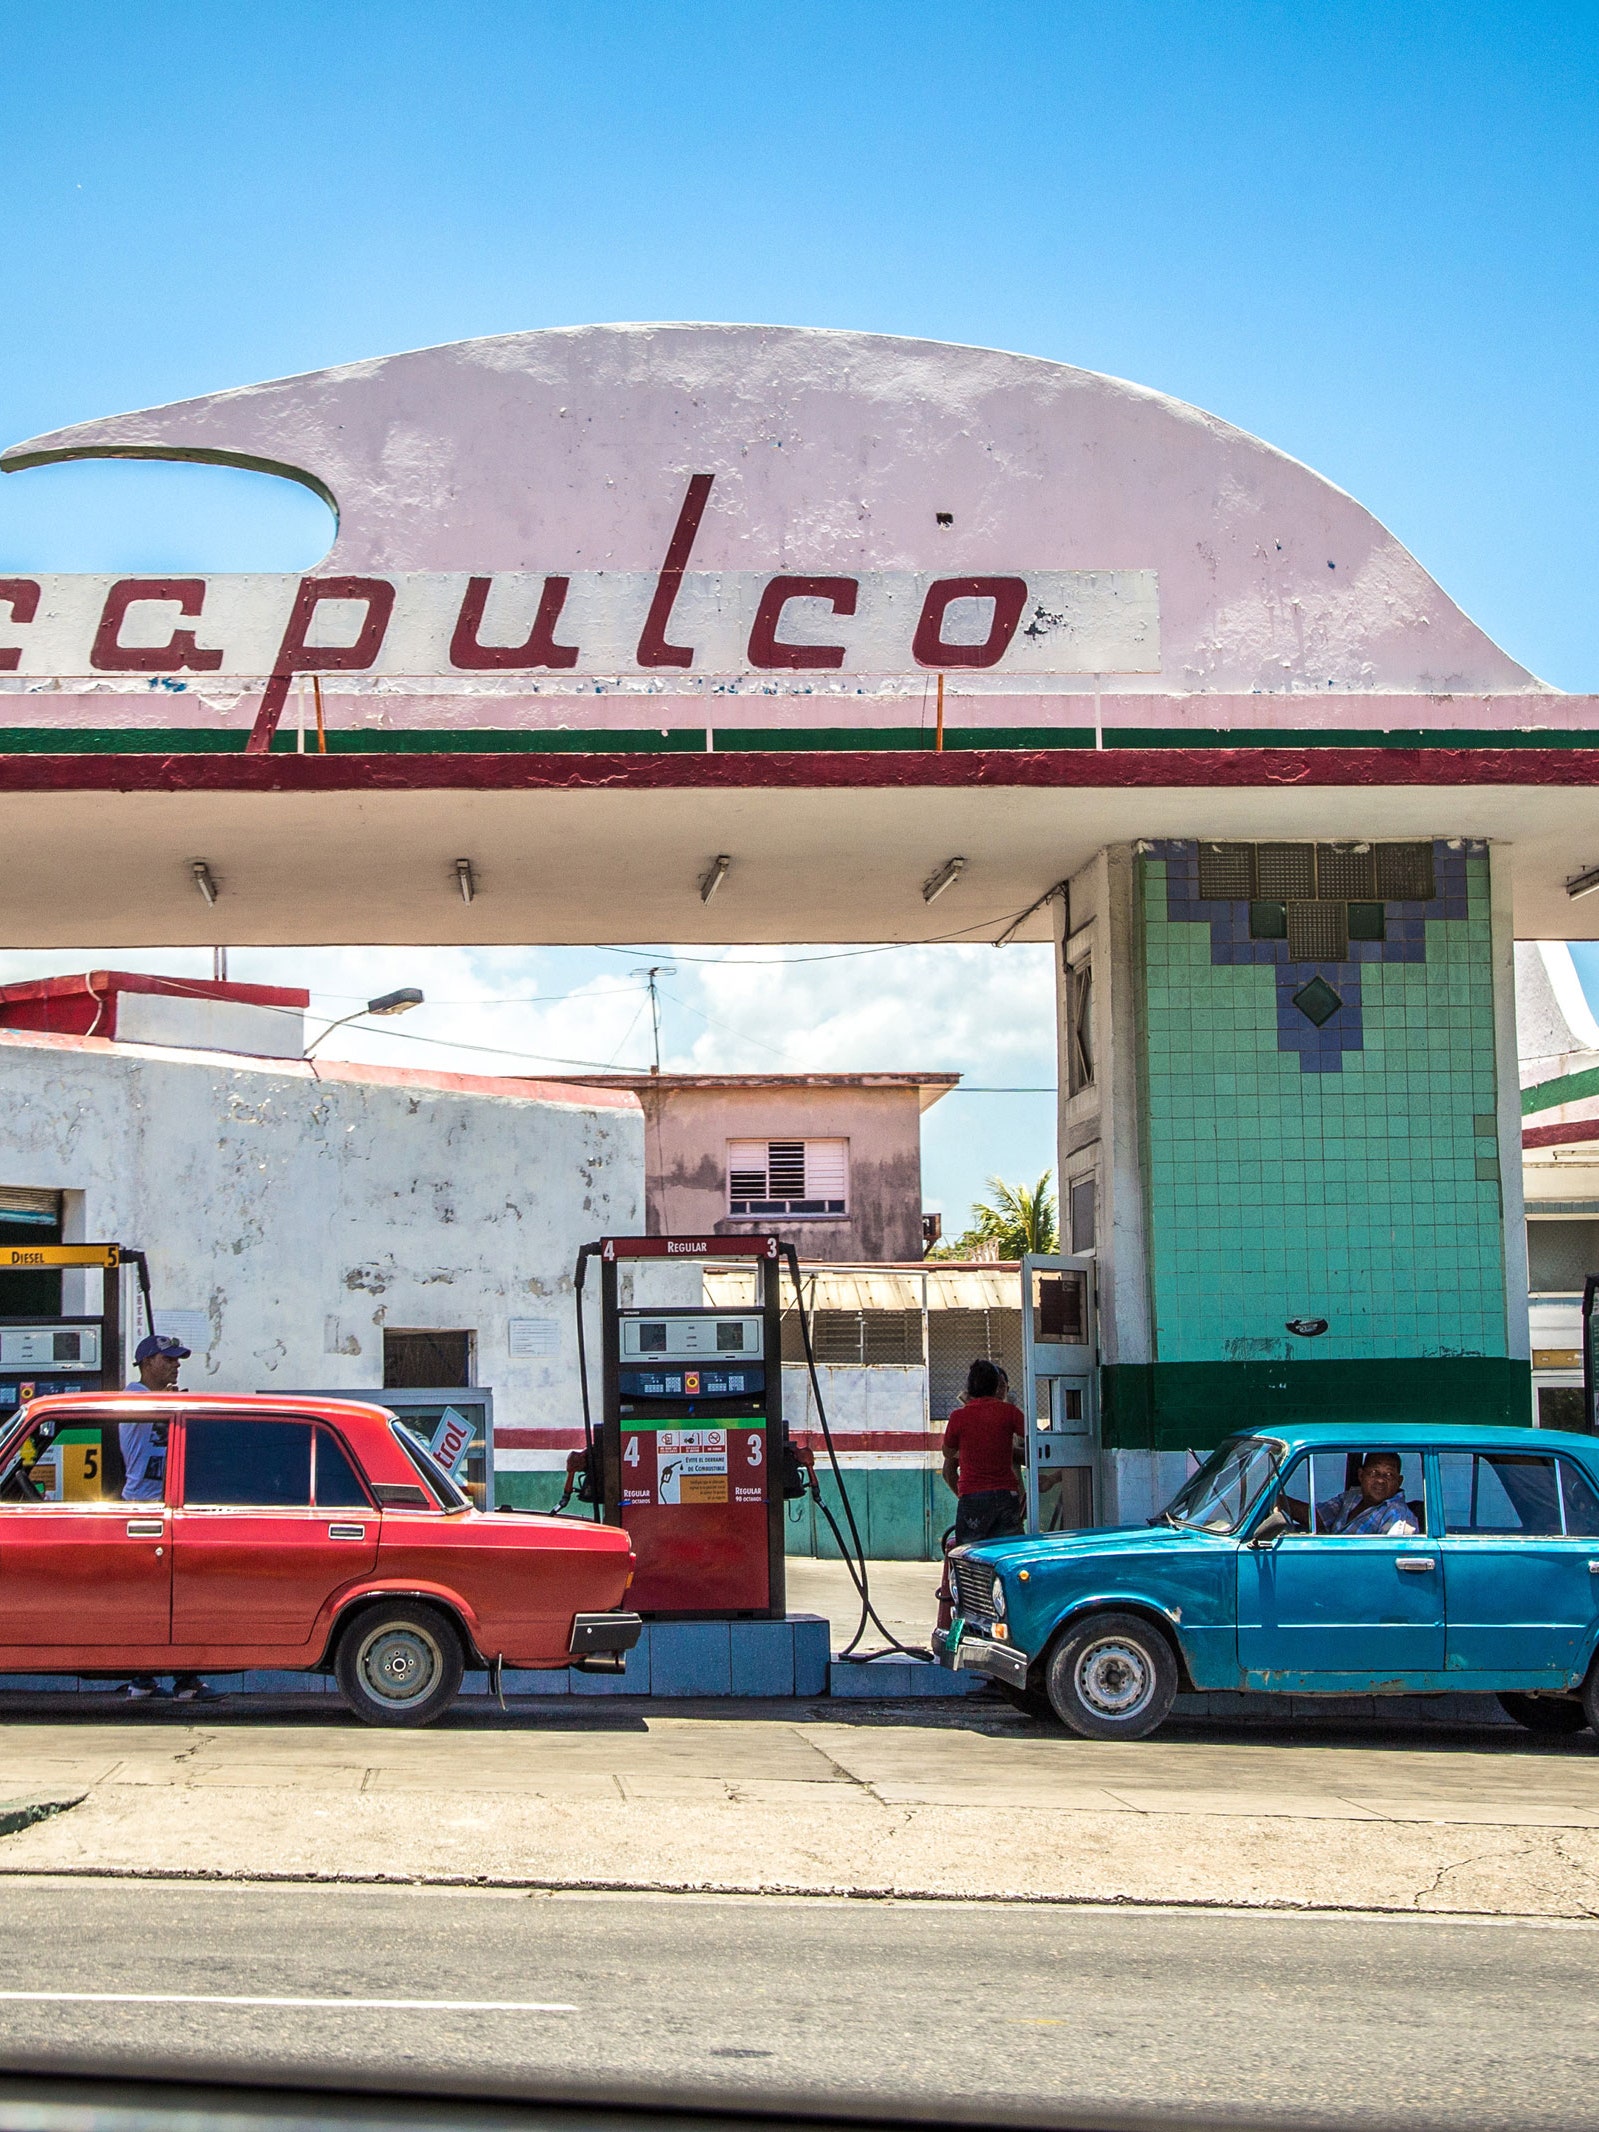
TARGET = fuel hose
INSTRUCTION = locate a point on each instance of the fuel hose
(854, 1562)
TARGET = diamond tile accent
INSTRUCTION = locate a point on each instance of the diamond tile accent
(1317, 1001)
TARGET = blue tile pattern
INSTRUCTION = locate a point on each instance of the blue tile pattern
(1405, 924)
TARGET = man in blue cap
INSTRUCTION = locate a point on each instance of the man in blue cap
(158, 1359)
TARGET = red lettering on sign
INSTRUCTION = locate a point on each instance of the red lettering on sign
(110, 656)
(21, 595)
(653, 649)
(1009, 595)
(540, 649)
(768, 650)
(296, 656)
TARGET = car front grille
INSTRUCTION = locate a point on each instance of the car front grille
(974, 1588)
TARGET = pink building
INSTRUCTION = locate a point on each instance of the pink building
(832, 1161)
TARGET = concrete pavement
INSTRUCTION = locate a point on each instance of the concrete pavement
(959, 1801)
(905, 1595)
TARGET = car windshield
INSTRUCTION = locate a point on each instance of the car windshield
(1227, 1486)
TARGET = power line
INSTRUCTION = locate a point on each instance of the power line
(887, 947)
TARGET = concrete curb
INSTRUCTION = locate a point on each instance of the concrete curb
(734, 1890)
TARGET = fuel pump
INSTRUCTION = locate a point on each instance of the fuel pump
(691, 1454)
(76, 1353)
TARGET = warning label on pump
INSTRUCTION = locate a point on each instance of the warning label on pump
(691, 1465)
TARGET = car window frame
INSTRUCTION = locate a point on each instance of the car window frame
(118, 1505)
(1561, 1459)
(180, 1500)
(1432, 1509)
(323, 1428)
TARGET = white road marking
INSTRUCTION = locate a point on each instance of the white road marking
(188, 1998)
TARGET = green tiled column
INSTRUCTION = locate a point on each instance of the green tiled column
(1283, 1181)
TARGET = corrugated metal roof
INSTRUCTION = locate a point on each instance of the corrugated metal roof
(945, 1286)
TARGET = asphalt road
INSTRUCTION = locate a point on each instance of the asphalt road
(1410, 2021)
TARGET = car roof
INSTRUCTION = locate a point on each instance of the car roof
(245, 1406)
(1367, 1435)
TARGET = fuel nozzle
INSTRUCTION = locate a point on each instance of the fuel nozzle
(799, 1470)
(580, 1480)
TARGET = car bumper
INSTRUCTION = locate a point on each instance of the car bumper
(600, 1642)
(965, 1653)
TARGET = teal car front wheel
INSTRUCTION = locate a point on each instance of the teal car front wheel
(1112, 1677)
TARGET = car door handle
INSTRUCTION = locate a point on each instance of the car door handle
(346, 1532)
(145, 1528)
(1417, 1562)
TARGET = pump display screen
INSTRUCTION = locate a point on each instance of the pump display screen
(45, 1347)
(689, 1336)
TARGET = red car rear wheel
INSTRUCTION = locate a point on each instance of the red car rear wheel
(400, 1664)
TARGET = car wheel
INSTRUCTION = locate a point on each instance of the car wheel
(400, 1664)
(1112, 1677)
(1544, 1713)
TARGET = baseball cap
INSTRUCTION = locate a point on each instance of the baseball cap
(161, 1344)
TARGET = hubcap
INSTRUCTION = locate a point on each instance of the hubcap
(1114, 1679)
(400, 1664)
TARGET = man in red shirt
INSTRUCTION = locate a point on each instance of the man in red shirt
(983, 1446)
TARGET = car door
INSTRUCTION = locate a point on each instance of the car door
(1521, 1564)
(275, 1518)
(1322, 1611)
(80, 1569)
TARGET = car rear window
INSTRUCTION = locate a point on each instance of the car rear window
(444, 1489)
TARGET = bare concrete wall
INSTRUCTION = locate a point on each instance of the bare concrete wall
(296, 1217)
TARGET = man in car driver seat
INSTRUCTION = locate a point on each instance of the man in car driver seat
(1374, 1505)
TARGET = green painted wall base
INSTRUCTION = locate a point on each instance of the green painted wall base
(1191, 1406)
(901, 1512)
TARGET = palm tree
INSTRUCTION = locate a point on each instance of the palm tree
(1014, 1220)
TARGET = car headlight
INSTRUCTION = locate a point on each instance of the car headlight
(998, 1601)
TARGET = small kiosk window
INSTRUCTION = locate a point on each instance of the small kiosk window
(1060, 1306)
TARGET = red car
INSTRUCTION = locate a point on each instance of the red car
(316, 1535)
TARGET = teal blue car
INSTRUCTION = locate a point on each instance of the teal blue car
(1317, 1560)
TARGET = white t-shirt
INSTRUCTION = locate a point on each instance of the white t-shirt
(144, 1458)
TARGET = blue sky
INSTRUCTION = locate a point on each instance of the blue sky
(1363, 232)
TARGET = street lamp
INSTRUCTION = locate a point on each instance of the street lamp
(400, 1002)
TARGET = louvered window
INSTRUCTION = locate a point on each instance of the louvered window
(787, 1177)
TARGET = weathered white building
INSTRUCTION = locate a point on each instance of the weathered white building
(300, 1221)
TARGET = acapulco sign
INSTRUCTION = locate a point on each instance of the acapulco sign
(623, 624)
(574, 535)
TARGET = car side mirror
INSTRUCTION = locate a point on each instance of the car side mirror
(1271, 1527)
